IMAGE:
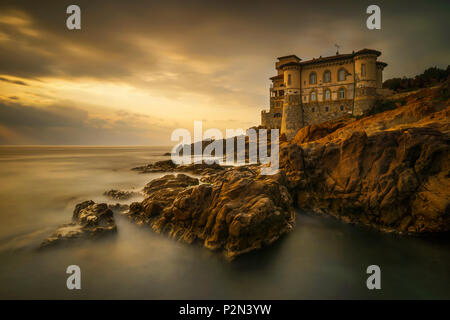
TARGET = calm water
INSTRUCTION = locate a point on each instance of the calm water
(322, 258)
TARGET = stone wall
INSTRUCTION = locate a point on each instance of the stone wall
(292, 120)
(317, 112)
(363, 105)
(271, 120)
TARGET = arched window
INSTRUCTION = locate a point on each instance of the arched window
(313, 96)
(327, 76)
(327, 94)
(341, 75)
(312, 78)
(342, 108)
(341, 93)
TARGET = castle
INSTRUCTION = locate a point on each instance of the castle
(310, 92)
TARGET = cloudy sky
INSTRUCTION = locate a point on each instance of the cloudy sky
(139, 69)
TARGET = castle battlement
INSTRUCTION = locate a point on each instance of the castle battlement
(314, 91)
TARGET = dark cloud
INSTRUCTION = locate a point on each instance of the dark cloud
(119, 38)
(16, 115)
(68, 125)
(22, 83)
(220, 52)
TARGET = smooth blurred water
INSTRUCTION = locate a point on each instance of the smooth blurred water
(322, 258)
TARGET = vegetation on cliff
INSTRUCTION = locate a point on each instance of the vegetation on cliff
(430, 77)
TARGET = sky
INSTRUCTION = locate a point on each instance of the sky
(137, 70)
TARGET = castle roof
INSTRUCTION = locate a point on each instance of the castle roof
(289, 56)
(280, 76)
(333, 58)
(288, 64)
(384, 64)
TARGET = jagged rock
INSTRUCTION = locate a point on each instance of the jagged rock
(120, 194)
(89, 221)
(202, 168)
(159, 166)
(194, 168)
(238, 211)
(389, 171)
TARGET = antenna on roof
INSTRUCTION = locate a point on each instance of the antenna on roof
(337, 48)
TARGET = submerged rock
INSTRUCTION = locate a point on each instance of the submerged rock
(159, 166)
(236, 212)
(89, 221)
(194, 168)
(120, 194)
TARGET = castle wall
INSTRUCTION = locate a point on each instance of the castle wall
(292, 117)
(303, 102)
(271, 120)
(318, 112)
(321, 85)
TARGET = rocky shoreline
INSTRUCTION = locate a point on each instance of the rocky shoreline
(89, 221)
(389, 171)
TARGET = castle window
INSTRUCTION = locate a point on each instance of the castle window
(289, 79)
(341, 93)
(363, 70)
(313, 96)
(327, 76)
(342, 108)
(312, 78)
(277, 115)
(341, 75)
(363, 92)
(312, 109)
(327, 94)
(326, 109)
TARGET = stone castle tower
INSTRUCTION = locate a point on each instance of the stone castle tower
(318, 90)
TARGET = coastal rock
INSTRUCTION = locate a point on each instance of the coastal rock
(89, 221)
(237, 212)
(159, 166)
(120, 194)
(389, 171)
(193, 168)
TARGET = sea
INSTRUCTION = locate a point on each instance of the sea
(322, 258)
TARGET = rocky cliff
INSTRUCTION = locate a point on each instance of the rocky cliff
(235, 210)
(389, 171)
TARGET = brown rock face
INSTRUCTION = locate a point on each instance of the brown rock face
(237, 211)
(169, 166)
(120, 194)
(89, 221)
(389, 171)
